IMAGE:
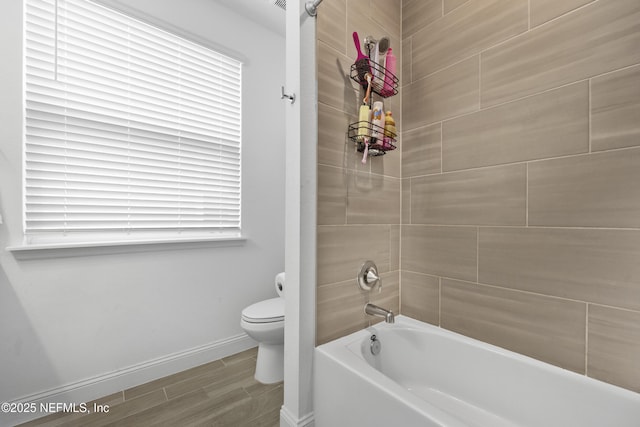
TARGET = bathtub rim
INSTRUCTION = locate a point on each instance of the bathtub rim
(346, 351)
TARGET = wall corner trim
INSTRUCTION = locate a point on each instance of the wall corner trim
(287, 419)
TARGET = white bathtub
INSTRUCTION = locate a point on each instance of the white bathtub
(426, 376)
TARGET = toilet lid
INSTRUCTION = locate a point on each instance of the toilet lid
(271, 310)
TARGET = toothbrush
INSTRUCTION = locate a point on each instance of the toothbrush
(365, 103)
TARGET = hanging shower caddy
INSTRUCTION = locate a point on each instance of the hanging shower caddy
(384, 85)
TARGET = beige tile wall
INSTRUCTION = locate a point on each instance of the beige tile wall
(520, 177)
(510, 211)
(358, 205)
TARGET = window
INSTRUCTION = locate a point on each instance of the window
(130, 130)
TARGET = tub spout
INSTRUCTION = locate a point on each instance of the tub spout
(374, 310)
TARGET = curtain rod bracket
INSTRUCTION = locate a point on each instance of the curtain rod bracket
(312, 7)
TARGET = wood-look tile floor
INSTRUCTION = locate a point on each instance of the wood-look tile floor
(219, 393)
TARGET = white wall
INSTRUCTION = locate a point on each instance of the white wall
(66, 320)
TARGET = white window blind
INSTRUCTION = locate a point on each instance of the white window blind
(128, 127)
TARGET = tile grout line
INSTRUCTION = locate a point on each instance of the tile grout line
(389, 257)
(513, 227)
(527, 161)
(503, 287)
(410, 61)
(346, 194)
(569, 12)
(477, 254)
(245, 390)
(492, 106)
(405, 56)
(479, 83)
(613, 307)
(526, 195)
(348, 171)
(498, 43)
(439, 301)
(531, 29)
(590, 115)
(346, 25)
(441, 146)
(586, 340)
(410, 193)
(520, 98)
(525, 291)
(399, 290)
(606, 73)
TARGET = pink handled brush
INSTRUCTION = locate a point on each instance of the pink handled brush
(362, 61)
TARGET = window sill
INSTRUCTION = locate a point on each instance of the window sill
(75, 249)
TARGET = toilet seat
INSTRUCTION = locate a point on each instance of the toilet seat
(267, 311)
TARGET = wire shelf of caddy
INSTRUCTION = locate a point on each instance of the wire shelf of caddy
(379, 141)
(384, 83)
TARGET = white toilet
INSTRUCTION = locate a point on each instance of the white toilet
(264, 322)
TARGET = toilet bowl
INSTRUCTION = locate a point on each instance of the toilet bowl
(264, 322)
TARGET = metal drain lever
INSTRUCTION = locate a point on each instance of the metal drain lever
(375, 345)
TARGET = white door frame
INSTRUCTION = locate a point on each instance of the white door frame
(300, 216)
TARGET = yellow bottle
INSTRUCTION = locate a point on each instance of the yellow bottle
(363, 122)
(389, 125)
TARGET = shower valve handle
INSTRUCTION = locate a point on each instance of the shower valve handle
(372, 277)
(368, 277)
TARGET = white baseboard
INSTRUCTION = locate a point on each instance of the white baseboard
(287, 419)
(103, 385)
